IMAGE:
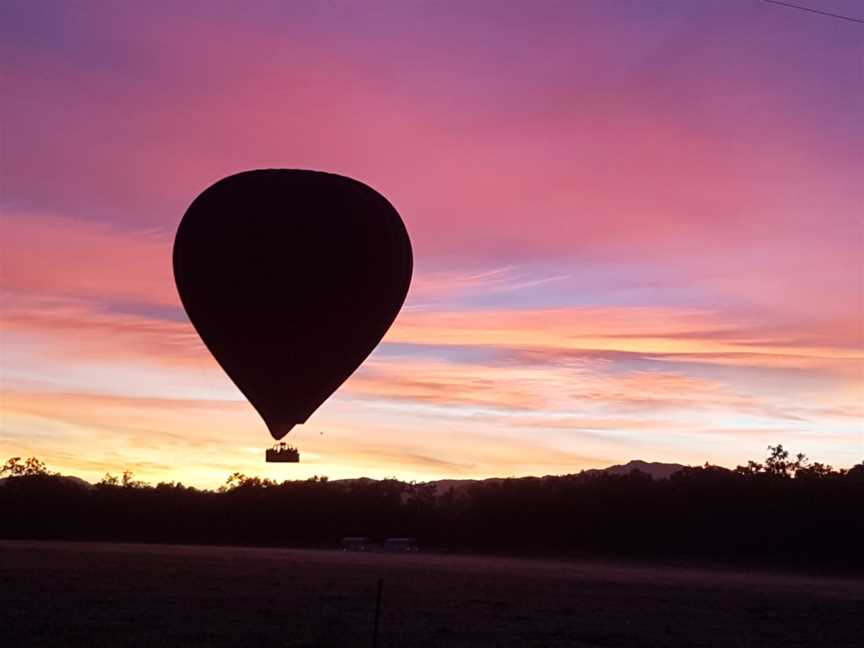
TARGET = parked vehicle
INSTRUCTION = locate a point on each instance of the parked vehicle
(401, 545)
(356, 543)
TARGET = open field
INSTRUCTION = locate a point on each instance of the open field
(61, 593)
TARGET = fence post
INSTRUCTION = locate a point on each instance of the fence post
(377, 613)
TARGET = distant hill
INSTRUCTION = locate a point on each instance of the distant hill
(66, 479)
(656, 469)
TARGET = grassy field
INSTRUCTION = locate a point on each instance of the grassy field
(57, 594)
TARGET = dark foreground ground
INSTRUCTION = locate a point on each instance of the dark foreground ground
(57, 594)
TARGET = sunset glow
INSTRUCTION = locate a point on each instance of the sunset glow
(634, 236)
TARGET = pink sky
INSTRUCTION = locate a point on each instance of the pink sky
(637, 233)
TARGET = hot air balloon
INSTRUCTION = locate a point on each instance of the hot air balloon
(291, 278)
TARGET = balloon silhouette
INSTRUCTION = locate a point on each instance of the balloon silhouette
(291, 278)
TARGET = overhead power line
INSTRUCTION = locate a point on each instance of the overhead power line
(816, 11)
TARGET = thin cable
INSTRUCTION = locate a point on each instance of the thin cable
(816, 11)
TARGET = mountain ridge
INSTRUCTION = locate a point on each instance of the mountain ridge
(654, 469)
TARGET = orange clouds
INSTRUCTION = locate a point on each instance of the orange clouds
(78, 329)
(700, 335)
(204, 441)
(81, 331)
(586, 393)
(58, 275)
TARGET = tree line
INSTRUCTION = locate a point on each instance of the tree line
(783, 509)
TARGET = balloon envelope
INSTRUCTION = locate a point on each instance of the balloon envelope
(291, 278)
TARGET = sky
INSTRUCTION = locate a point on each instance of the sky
(637, 229)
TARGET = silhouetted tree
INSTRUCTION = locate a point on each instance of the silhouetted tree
(33, 466)
(109, 480)
(28, 468)
(128, 480)
(12, 467)
(778, 463)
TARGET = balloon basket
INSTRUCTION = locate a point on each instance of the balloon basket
(282, 453)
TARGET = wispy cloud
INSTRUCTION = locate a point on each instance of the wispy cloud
(77, 330)
(440, 287)
(65, 257)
